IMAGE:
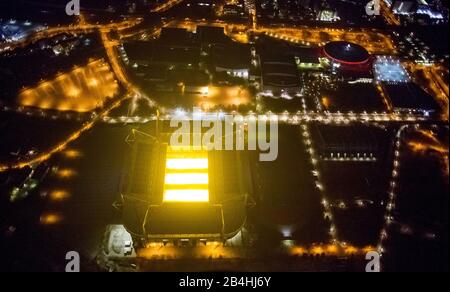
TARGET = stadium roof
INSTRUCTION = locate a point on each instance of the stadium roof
(346, 52)
(171, 193)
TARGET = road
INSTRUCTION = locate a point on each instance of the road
(120, 74)
(295, 118)
(388, 14)
(76, 28)
(167, 5)
(31, 162)
(432, 78)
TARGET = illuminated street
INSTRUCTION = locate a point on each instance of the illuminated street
(234, 135)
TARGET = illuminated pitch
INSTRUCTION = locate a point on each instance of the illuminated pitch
(186, 163)
(185, 195)
(186, 178)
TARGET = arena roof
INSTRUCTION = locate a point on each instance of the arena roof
(346, 52)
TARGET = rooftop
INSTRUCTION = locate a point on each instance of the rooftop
(199, 195)
(410, 96)
(346, 52)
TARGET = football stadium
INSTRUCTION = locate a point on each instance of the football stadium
(183, 194)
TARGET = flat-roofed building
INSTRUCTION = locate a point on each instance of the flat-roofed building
(341, 143)
(280, 76)
(234, 59)
(410, 97)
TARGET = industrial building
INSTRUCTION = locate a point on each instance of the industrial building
(234, 59)
(174, 47)
(357, 97)
(410, 97)
(340, 143)
(187, 60)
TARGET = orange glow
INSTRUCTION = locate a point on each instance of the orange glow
(66, 173)
(369, 249)
(94, 82)
(72, 154)
(50, 219)
(326, 102)
(73, 92)
(388, 15)
(351, 250)
(224, 96)
(67, 93)
(166, 5)
(298, 250)
(317, 250)
(420, 147)
(332, 249)
(59, 195)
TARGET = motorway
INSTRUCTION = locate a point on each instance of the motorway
(166, 6)
(388, 15)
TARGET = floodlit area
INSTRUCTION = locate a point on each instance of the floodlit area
(186, 176)
(81, 90)
(226, 96)
(390, 69)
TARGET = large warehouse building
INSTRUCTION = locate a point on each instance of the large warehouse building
(183, 194)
